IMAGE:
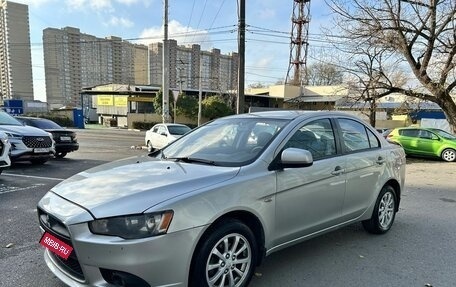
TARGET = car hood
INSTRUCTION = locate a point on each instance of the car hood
(135, 184)
(23, 130)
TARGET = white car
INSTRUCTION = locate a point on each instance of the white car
(161, 135)
(5, 147)
(27, 143)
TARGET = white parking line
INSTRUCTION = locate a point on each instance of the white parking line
(32, 176)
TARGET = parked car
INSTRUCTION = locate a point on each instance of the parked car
(27, 143)
(4, 151)
(162, 134)
(65, 140)
(206, 209)
(427, 142)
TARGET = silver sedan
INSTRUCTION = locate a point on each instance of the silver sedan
(206, 209)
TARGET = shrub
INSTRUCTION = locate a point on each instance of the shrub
(143, 125)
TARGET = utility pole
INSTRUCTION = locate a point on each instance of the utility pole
(200, 91)
(241, 53)
(165, 81)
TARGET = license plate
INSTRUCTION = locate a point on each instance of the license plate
(56, 245)
(65, 139)
(41, 150)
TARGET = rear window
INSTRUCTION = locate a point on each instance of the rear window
(178, 130)
(43, 124)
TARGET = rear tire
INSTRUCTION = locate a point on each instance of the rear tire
(448, 155)
(227, 255)
(384, 212)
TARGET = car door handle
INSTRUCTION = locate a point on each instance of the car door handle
(338, 171)
(380, 160)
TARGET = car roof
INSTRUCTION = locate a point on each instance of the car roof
(171, 124)
(291, 114)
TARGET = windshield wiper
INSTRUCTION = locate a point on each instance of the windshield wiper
(191, 159)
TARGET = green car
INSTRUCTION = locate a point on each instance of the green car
(428, 142)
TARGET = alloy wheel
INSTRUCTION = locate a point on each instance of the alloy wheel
(229, 261)
(449, 155)
(386, 210)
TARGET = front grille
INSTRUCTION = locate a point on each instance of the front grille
(55, 227)
(1, 148)
(37, 142)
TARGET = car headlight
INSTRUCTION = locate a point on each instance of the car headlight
(4, 139)
(133, 226)
(14, 136)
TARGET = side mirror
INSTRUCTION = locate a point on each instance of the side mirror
(295, 157)
(164, 134)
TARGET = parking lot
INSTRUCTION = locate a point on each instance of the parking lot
(419, 250)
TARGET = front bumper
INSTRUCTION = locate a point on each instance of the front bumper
(66, 147)
(19, 151)
(4, 155)
(159, 261)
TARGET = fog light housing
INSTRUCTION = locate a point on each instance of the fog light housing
(124, 279)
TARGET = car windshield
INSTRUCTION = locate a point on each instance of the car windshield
(225, 142)
(178, 130)
(444, 134)
(42, 124)
(6, 119)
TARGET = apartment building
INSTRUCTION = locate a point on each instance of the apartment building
(15, 53)
(74, 60)
(218, 72)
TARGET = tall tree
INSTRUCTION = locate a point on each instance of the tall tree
(419, 36)
(324, 74)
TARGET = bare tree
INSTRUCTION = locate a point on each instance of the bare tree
(323, 74)
(418, 36)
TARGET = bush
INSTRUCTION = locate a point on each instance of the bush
(143, 125)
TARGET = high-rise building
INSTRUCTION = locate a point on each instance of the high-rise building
(218, 72)
(15, 53)
(74, 60)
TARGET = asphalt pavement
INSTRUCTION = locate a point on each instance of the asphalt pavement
(418, 250)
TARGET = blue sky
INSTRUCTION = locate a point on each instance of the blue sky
(211, 23)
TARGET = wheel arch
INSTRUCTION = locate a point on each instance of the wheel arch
(444, 148)
(246, 217)
(397, 188)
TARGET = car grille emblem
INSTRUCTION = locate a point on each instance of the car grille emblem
(40, 139)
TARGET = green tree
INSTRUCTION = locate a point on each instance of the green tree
(215, 107)
(157, 102)
(187, 106)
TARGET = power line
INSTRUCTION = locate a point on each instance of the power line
(201, 17)
(190, 19)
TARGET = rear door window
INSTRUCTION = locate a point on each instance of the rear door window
(356, 136)
(414, 133)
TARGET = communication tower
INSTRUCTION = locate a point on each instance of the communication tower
(300, 20)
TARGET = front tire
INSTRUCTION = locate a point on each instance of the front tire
(60, 154)
(448, 155)
(384, 212)
(226, 257)
(39, 161)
